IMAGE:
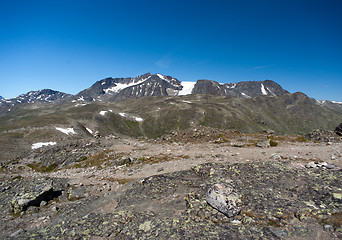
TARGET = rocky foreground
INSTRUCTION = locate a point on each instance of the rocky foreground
(287, 188)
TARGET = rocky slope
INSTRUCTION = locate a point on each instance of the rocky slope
(136, 189)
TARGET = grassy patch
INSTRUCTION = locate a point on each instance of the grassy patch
(38, 168)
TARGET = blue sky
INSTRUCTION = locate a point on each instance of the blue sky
(69, 45)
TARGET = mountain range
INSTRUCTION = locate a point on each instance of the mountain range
(117, 89)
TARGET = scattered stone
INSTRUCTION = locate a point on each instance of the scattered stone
(263, 143)
(160, 169)
(236, 222)
(276, 157)
(123, 161)
(322, 164)
(330, 166)
(238, 144)
(17, 232)
(225, 199)
(311, 165)
(55, 209)
(268, 132)
(328, 227)
(43, 203)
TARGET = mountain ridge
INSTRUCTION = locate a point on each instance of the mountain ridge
(118, 89)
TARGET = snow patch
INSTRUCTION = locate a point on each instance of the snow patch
(187, 88)
(137, 119)
(162, 76)
(231, 86)
(89, 130)
(67, 131)
(42, 144)
(104, 112)
(80, 104)
(270, 91)
(120, 86)
(244, 94)
(263, 90)
(336, 102)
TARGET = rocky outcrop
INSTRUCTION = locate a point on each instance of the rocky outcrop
(338, 130)
(264, 143)
(320, 135)
(32, 194)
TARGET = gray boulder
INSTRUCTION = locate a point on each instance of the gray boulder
(264, 143)
(32, 194)
(225, 199)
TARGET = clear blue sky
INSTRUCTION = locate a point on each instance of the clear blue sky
(68, 45)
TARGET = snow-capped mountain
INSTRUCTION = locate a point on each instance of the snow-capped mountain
(45, 95)
(41, 96)
(115, 89)
(246, 89)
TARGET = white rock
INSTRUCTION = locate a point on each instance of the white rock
(311, 165)
(224, 198)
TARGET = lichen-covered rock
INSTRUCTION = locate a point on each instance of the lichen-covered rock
(31, 194)
(225, 199)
